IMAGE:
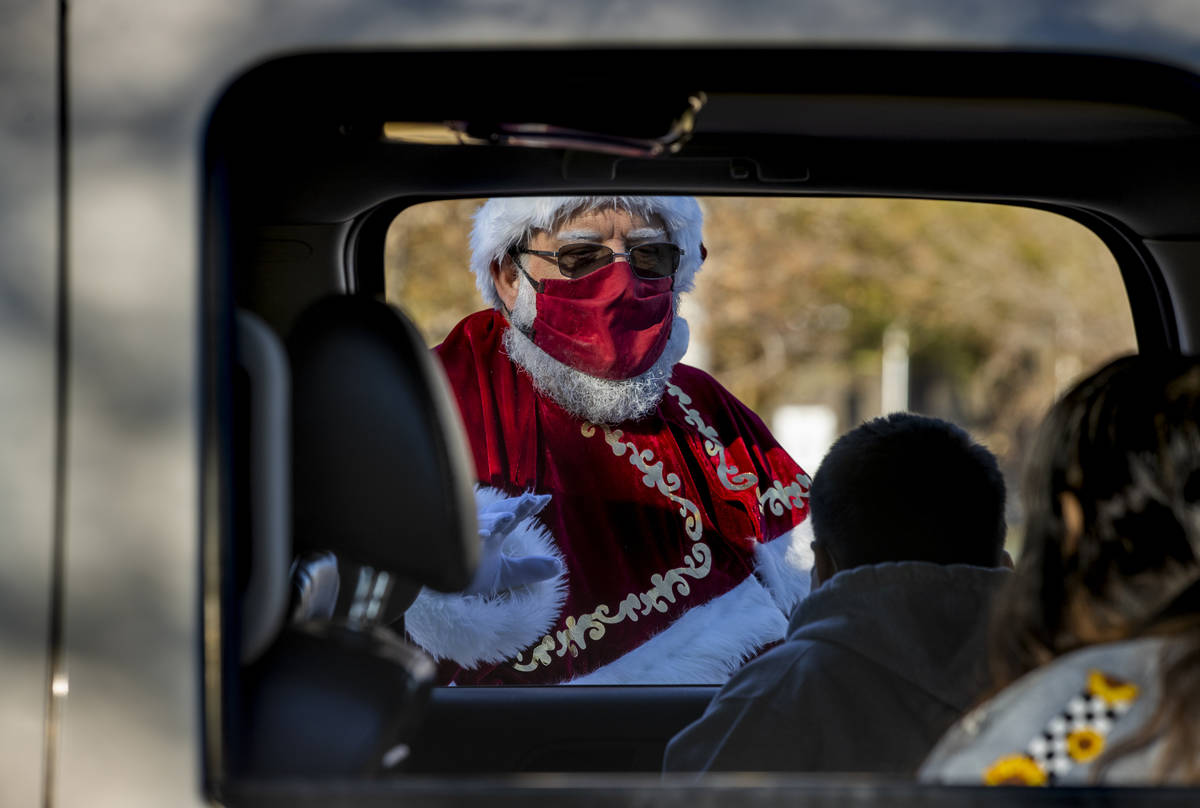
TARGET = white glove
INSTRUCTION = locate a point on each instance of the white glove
(498, 572)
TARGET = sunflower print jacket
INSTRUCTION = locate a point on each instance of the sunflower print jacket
(1054, 725)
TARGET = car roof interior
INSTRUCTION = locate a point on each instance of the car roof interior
(309, 157)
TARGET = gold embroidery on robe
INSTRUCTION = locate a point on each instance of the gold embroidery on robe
(779, 496)
(662, 591)
(730, 475)
(663, 587)
(652, 476)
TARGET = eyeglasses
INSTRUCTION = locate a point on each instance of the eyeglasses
(649, 261)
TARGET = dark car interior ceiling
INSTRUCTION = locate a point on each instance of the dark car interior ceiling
(305, 133)
(296, 146)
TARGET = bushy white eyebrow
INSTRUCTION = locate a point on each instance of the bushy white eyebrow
(647, 234)
(638, 234)
(577, 235)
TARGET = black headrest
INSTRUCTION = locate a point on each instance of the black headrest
(380, 470)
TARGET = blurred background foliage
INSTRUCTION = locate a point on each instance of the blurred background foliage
(1002, 306)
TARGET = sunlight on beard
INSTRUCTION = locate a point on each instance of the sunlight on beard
(601, 401)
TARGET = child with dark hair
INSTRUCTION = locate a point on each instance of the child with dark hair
(891, 462)
(890, 647)
(1098, 639)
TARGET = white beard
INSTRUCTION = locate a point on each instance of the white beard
(601, 401)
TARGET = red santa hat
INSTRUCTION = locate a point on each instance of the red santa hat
(503, 223)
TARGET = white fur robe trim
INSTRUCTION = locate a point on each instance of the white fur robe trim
(785, 566)
(704, 646)
(476, 629)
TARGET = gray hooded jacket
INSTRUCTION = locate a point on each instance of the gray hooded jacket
(877, 664)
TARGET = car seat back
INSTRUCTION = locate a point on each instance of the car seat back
(355, 469)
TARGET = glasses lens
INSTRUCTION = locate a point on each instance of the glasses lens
(655, 260)
(577, 260)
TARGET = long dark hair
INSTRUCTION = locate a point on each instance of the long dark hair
(1112, 543)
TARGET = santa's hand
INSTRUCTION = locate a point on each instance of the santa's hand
(498, 572)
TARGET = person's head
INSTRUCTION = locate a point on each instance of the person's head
(1112, 544)
(504, 226)
(906, 488)
(591, 286)
(1112, 491)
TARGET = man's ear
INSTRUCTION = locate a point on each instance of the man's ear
(504, 279)
(824, 565)
(703, 252)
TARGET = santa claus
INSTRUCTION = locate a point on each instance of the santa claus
(639, 523)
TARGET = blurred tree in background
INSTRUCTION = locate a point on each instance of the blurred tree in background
(1003, 306)
(427, 266)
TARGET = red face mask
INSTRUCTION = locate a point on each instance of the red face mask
(610, 323)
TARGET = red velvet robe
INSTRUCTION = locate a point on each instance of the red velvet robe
(653, 517)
